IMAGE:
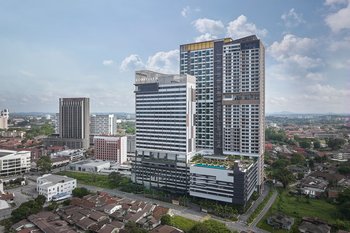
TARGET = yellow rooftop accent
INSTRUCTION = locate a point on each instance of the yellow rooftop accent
(202, 45)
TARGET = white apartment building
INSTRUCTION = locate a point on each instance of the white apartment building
(111, 148)
(165, 130)
(55, 186)
(4, 116)
(14, 162)
(103, 124)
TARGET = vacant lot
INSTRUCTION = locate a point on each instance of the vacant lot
(298, 207)
(182, 223)
(90, 179)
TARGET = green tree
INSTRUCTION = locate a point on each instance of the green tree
(317, 144)
(344, 169)
(272, 134)
(284, 176)
(44, 164)
(305, 144)
(344, 210)
(335, 143)
(80, 192)
(28, 208)
(279, 164)
(344, 196)
(117, 179)
(165, 220)
(210, 226)
(40, 199)
(297, 159)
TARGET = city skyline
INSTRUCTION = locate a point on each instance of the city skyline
(53, 50)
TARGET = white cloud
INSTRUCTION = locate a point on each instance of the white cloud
(294, 58)
(132, 62)
(205, 37)
(328, 92)
(339, 20)
(107, 62)
(314, 98)
(291, 45)
(185, 11)
(240, 27)
(315, 76)
(204, 25)
(277, 101)
(163, 61)
(292, 18)
(166, 62)
(333, 2)
(342, 44)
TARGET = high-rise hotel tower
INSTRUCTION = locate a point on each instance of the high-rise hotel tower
(230, 97)
(165, 130)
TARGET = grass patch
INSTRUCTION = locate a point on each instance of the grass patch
(300, 206)
(90, 179)
(182, 223)
(260, 207)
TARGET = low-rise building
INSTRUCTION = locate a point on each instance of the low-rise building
(280, 221)
(310, 225)
(55, 186)
(111, 148)
(90, 165)
(233, 183)
(59, 161)
(73, 155)
(313, 187)
(14, 162)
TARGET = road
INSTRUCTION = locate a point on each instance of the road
(244, 217)
(178, 210)
(266, 208)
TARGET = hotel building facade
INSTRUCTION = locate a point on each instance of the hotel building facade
(165, 130)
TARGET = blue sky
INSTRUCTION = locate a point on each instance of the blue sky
(52, 49)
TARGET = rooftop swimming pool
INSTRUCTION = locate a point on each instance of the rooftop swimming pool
(222, 167)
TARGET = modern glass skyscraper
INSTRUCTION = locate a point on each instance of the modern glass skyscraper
(230, 98)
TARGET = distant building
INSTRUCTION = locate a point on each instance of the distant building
(90, 165)
(165, 129)
(74, 128)
(111, 148)
(52, 186)
(73, 155)
(131, 147)
(12, 134)
(103, 124)
(232, 184)
(4, 116)
(59, 161)
(131, 144)
(14, 162)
